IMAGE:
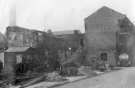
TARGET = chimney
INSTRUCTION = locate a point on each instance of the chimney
(12, 16)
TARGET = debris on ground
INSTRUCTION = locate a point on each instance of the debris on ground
(86, 70)
(34, 81)
(75, 78)
(54, 76)
(70, 71)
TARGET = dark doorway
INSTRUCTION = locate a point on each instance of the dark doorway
(81, 42)
(103, 56)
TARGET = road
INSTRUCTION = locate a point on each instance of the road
(124, 78)
(48, 84)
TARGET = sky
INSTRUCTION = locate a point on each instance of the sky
(56, 14)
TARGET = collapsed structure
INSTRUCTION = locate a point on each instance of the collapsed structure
(36, 51)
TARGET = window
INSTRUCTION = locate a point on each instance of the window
(18, 58)
(12, 36)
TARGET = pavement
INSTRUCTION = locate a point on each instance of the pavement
(124, 78)
(49, 84)
(43, 85)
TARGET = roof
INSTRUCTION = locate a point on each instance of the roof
(65, 32)
(17, 49)
(22, 29)
(106, 10)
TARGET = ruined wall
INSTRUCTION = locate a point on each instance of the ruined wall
(22, 37)
(18, 37)
(74, 41)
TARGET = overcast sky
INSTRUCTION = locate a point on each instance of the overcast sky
(58, 14)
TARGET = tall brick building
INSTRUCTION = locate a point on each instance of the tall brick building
(101, 28)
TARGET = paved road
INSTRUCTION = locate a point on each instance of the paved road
(124, 78)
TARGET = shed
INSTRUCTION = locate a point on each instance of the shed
(10, 59)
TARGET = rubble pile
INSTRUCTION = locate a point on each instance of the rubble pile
(54, 76)
(85, 70)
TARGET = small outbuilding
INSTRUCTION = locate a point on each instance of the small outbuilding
(13, 56)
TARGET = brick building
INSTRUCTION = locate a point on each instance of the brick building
(101, 28)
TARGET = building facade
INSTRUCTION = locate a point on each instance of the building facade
(101, 29)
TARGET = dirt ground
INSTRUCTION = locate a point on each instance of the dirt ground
(48, 84)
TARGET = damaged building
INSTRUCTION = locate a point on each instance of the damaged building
(27, 47)
(104, 35)
(22, 37)
(75, 42)
(74, 38)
